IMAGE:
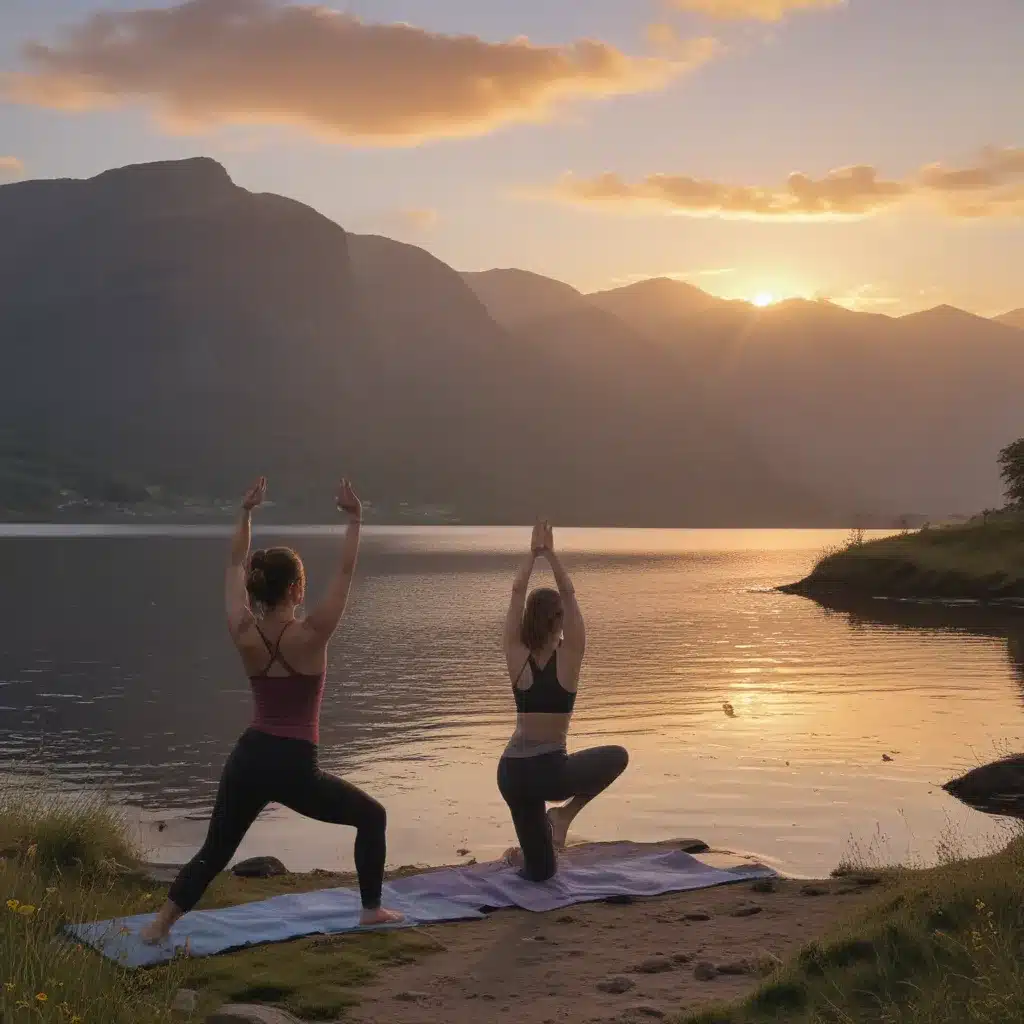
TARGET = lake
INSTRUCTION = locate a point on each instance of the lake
(118, 675)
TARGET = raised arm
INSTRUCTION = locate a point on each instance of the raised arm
(236, 597)
(324, 618)
(515, 652)
(574, 633)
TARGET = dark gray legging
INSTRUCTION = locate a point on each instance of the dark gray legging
(528, 784)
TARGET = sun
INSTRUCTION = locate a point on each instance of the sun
(763, 299)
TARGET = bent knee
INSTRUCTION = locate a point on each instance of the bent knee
(374, 817)
(618, 758)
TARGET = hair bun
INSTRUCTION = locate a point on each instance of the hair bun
(258, 559)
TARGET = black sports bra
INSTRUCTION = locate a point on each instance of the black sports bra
(546, 695)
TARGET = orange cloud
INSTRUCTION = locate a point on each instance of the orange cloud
(993, 186)
(208, 62)
(11, 167)
(753, 10)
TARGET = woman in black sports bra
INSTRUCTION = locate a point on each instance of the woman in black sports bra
(544, 645)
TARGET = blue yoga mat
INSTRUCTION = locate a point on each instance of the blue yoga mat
(585, 874)
(206, 932)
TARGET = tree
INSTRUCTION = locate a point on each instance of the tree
(1011, 468)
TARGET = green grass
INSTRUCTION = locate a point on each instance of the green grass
(71, 860)
(940, 946)
(981, 559)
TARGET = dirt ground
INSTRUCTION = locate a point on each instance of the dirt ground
(605, 962)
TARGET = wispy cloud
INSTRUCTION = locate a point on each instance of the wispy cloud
(992, 186)
(753, 10)
(207, 62)
(11, 167)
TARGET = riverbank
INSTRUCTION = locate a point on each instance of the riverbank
(653, 959)
(982, 560)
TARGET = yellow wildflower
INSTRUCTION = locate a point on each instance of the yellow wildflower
(40, 997)
(13, 904)
(31, 851)
(76, 1019)
(9, 985)
(26, 910)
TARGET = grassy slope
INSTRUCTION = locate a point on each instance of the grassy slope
(62, 863)
(941, 946)
(983, 560)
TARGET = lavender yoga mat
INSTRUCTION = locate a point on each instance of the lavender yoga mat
(585, 874)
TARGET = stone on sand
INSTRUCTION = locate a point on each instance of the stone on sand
(616, 985)
(244, 1013)
(259, 867)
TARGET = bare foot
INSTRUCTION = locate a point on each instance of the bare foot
(380, 916)
(513, 857)
(154, 933)
(559, 822)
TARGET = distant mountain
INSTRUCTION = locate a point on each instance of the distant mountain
(514, 297)
(653, 304)
(168, 327)
(1013, 319)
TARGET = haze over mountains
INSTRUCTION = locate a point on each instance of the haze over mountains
(164, 325)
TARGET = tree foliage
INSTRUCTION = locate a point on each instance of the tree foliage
(1011, 468)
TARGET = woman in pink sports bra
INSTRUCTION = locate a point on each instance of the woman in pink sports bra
(276, 758)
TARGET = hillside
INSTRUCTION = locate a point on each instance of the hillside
(1015, 318)
(877, 414)
(168, 327)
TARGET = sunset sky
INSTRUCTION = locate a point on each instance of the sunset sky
(870, 151)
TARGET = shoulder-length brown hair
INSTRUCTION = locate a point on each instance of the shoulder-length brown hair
(542, 618)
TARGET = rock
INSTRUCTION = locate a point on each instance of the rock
(462, 853)
(737, 967)
(705, 971)
(995, 788)
(693, 846)
(764, 885)
(729, 710)
(681, 958)
(643, 1010)
(565, 919)
(748, 911)
(616, 986)
(697, 915)
(621, 900)
(408, 996)
(886, 757)
(244, 1013)
(655, 965)
(259, 867)
(813, 890)
(186, 1000)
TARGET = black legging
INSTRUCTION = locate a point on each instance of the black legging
(265, 769)
(529, 783)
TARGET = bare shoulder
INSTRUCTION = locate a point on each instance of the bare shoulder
(568, 667)
(517, 659)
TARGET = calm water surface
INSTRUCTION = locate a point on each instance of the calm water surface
(117, 673)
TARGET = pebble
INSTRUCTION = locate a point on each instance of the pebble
(409, 996)
(654, 965)
(259, 867)
(616, 986)
(736, 967)
(747, 911)
(643, 1010)
(697, 915)
(764, 885)
(621, 900)
(682, 958)
(244, 1013)
(565, 919)
(705, 971)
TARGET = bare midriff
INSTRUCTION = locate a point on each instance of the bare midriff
(538, 733)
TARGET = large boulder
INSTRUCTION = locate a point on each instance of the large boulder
(996, 788)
